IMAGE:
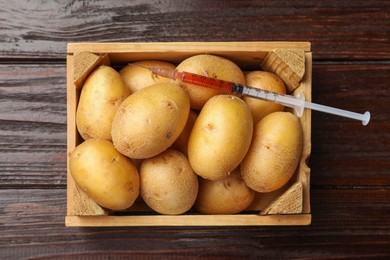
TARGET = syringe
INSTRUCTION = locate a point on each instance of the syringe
(298, 103)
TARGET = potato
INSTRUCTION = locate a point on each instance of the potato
(229, 195)
(220, 137)
(136, 78)
(181, 143)
(108, 177)
(168, 183)
(100, 97)
(211, 66)
(274, 153)
(150, 120)
(266, 81)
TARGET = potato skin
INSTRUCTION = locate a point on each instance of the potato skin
(100, 97)
(181, 143)
(168, 183)
(274, 153)
(229, 195)
(108, 177)
(211, 66)
(220, 137)
(150, 120)
(136, 78)
(266, 81)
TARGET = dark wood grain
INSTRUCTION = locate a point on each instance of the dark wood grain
(337, 29)
(342, 220)
(350, 184)
(33, 93)
(33, 125)
(344, 152)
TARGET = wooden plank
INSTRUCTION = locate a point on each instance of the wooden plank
(247, 54)
(32, 154)
(189, 220)
(345, 153)
(172, 47)
(33, 125)
(33, 93)
(346, 223)
(33, 140)
(338, 29)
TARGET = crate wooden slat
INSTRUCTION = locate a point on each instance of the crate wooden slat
(245, 53)
(190, 220)
(82, 211)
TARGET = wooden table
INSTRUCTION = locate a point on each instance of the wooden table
(350, 163)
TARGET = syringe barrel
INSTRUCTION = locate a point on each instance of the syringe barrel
(289, 101)
(285, 100)
(209, 82)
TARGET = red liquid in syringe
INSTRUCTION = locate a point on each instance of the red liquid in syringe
(191, 78)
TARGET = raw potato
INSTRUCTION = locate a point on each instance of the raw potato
(168, 183)
(181, 143)
(266, 81)
(220, 137)
(100, 97)
(108, 177)
(150, 120)
(136, 78)
(274, 153)
(211, 66)
(229, 195)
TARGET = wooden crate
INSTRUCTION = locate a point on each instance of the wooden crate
(82, 211)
